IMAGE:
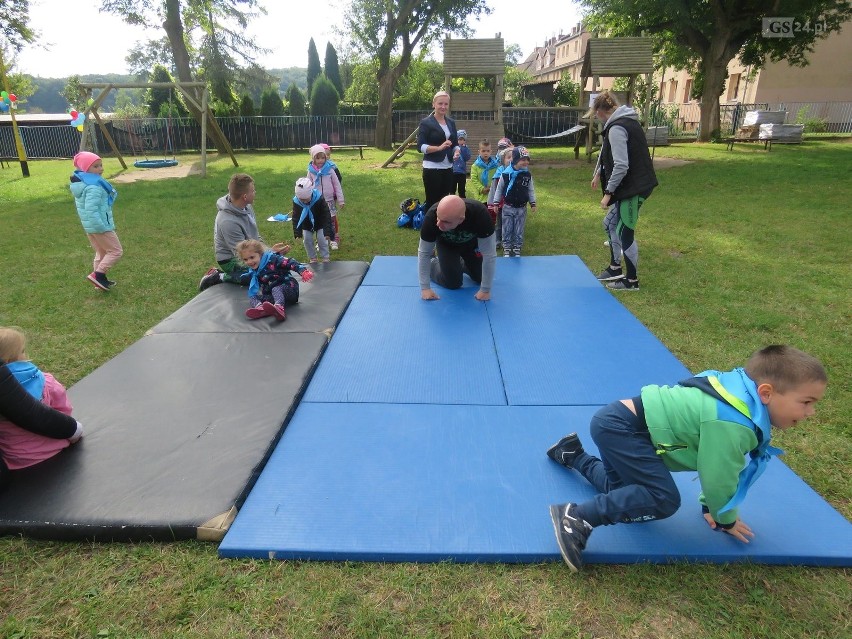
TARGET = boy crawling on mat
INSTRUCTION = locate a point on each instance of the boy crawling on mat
(706, 423)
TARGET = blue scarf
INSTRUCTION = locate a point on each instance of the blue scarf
(29, 376)
(254, 285)
(90, 179)
(326, 169)
(492, 163)
(742, 405)
(306, 208)
(512, 172)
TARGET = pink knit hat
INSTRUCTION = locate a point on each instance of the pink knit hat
(85, 159)
(326, 147)
(316, 148)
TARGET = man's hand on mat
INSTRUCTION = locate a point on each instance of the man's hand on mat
(482, 296)
(740, 530)
(428, 294)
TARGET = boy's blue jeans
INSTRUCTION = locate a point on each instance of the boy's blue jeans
(633, 482)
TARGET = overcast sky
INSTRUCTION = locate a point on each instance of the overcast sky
(98, 42)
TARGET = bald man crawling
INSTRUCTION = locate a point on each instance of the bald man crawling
(462, 232)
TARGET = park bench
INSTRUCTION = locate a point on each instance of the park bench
(360, 148)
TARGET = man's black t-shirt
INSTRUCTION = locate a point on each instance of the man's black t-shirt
(477, 223)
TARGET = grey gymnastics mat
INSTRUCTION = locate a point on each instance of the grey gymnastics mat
(221, 309)
(180, 424)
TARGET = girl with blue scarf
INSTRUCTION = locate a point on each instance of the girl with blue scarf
(326, 178)
(272, 284)
(310, 217)
(26, 441)
(94, 197)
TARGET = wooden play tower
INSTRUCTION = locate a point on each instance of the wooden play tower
(481, 111)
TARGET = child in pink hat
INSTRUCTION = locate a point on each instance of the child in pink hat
(94, 197)
(323, 173)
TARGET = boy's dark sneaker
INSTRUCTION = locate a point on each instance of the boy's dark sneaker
(609, 274)
(276, 310)
(566, 450)
(111, 283)
(99, 280)
(256, 312)
(572, 533)
(212, 277)
(624, 285)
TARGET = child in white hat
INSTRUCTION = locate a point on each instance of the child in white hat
(310, 216)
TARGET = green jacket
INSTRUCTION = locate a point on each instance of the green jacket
(686, 429)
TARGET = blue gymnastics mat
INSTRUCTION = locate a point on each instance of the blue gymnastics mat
(391, 345)
(552, 271)
(379, 482)
(535, 343)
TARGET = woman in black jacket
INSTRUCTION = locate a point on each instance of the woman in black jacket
(438, 142)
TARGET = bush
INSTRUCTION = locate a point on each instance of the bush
(270, 103)
(324, 97)
(295, 100)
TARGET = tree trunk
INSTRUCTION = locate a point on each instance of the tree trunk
(714, 64)
(384, 121)
(174, 31)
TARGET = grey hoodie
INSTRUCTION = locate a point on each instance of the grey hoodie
(233, 225)
(618, 144)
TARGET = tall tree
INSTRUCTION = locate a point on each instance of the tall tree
(380, 28)
(314, 68)
(704, 36)
(15, 24)
(198, 32)
(332, 68)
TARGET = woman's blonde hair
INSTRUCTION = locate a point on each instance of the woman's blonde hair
(605, 100)
(13, 345)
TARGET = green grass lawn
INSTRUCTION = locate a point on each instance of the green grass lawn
(739, 249)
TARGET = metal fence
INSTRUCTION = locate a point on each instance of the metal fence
(161, 137)
(818, 117)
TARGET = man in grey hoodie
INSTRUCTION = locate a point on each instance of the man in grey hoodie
(626, 174)
(235, 222)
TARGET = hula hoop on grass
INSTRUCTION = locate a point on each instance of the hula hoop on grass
(154, 164)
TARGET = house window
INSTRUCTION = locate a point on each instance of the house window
(672, 91)
(687, 89)
(733, 86)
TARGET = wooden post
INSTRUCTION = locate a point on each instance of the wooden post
(19, 143)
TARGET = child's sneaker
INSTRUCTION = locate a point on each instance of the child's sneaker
(99, 280)
(256, 312)
(276, 310)
(572, 533)
(624, 285)
(507, 252)
(566, 450)
(212, 277)
(516, 252)
(610, 273)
